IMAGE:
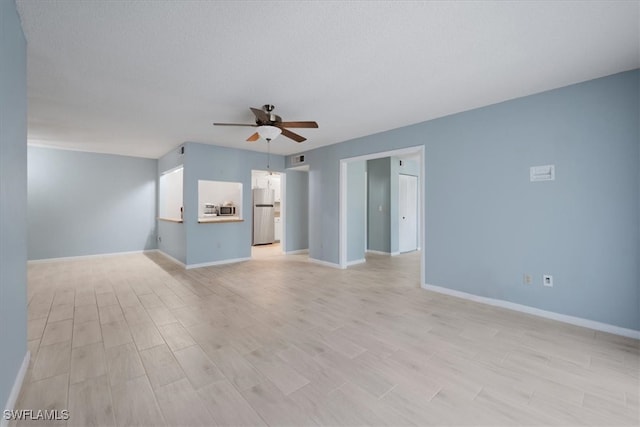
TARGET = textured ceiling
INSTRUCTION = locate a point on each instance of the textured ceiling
(139, 78)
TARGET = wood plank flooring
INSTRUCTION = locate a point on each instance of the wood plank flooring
(136, 340)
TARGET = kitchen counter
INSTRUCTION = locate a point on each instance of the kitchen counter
(170, 219)
(217, 219)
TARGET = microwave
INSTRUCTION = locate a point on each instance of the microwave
(227, 210)
(210, 209)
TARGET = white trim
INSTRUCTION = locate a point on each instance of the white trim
(283, 211)
(371, 251)
(422, 199)
(578, 321)
(356, 262)
(170, 258)
(366, 209)
(325, 263)
(17, 386)
(213, 263)
(298, 251)
(81, 257)
(395, 253)
(342, 222)
(390, 153)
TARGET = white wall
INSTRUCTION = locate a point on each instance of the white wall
(170, 194)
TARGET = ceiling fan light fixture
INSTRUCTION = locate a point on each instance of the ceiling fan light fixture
(269, 132)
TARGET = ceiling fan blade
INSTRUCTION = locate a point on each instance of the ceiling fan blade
(298, 124)
(254, 137)
(294, 136)
(234, 124)
(260, 115)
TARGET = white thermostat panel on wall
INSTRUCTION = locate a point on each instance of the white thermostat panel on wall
(542, 173)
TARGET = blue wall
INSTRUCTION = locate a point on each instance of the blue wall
(211, 243)
(487, 225)
(356, 210)
(88, 204)
(296, 210)
(13, 198)
(379, 205)
(173, 240)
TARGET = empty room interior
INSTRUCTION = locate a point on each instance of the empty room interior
(319, 213)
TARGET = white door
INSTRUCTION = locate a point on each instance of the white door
(408, 213)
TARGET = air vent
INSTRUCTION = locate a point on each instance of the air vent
(297, 160)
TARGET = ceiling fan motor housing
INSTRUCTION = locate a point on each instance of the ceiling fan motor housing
(273, 118)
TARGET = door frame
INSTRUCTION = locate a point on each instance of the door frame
(342, 223)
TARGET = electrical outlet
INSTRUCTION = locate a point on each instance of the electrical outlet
(547, 280)
(159, 239)
(527, 279)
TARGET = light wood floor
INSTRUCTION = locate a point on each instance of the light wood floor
(265, 251)
(136, 340)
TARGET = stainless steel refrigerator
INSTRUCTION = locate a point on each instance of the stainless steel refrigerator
(263, 226)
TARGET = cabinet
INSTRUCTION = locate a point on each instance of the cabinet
(277, 229)
(275, 185)
(271, 182)
(261, 181)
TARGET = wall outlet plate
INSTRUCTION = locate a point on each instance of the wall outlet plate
(527, 279)
(542, 173)
(547, 280)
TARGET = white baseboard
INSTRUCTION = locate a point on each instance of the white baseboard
(578, 321)
(298, 251)
(371, 251)
(325, 263)
(382, 253)
(17, 386)
(213, 263)
(200, 265)
(170, 258)
(356, 262)
(82, 257)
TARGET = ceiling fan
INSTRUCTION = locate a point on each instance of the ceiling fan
(270, 125)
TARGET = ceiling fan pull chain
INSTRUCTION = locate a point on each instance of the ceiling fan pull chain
(268, 152)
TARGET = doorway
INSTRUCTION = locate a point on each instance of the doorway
(267, 205)
(346, 241)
